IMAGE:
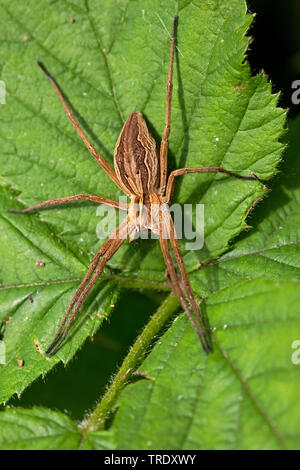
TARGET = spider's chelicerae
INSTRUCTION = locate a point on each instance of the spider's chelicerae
(141, 172)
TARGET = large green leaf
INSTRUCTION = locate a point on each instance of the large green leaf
(243, 396)
(112, 59)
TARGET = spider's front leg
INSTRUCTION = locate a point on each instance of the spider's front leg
(100, 160)
(163, 154)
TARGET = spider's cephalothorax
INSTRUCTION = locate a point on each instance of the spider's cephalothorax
(141, 172)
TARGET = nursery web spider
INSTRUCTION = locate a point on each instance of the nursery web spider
(141, 172)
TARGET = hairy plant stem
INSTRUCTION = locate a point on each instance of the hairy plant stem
(97, 419)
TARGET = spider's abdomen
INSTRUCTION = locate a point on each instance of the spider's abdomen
(135, 157)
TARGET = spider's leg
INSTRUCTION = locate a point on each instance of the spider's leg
(164, 243)
(96, 268)
(185, 279)
(205, 169)
(83, 283)
(101, 160)
(78, 197)
(163, 156)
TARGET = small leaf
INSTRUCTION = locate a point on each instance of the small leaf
(99, 440)
(37, 429)
(43, 429)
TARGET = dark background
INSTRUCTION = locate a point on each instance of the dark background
(275, 48)
(276, 45)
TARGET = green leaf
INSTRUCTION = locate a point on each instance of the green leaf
(35, 297)
(111, 60)
(37, 429)
(272, 249)
(243, 396)
(99, 440)
(43, 429)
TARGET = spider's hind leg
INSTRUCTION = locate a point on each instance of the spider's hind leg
(98, 263)
(181, 286)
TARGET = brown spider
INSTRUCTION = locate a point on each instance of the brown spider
(141, 172)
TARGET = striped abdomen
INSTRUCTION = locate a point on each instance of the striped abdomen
(135, 157)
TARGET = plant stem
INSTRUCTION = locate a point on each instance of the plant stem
(98, 417)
